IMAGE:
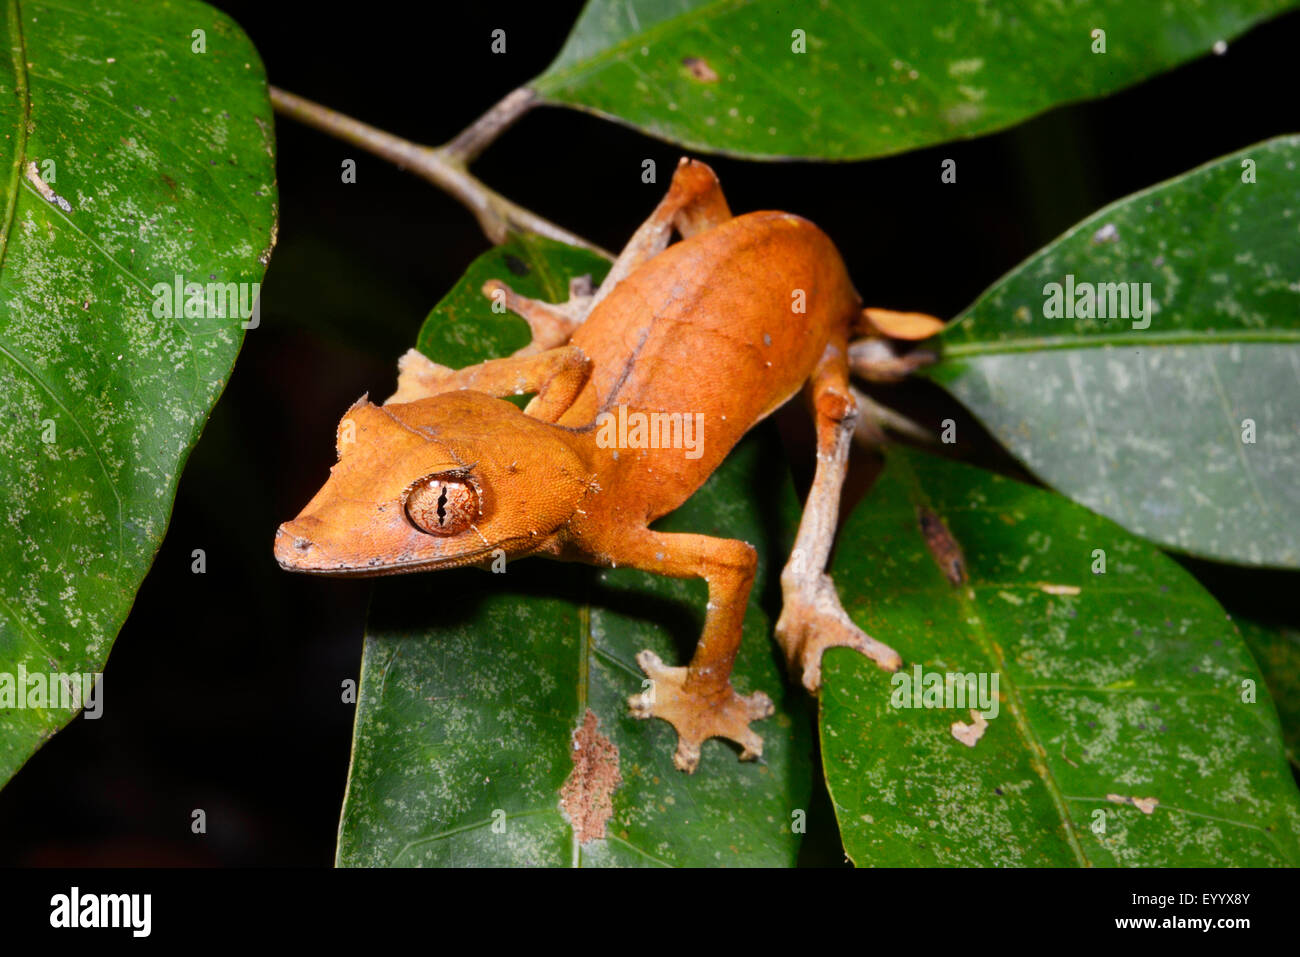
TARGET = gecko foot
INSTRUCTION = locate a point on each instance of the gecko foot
(552, 323)
(698, 717)
(417, 377)
(813, 620)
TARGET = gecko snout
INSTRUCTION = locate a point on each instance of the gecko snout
(294, 549)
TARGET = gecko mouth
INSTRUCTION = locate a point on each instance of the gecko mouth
(295, 552)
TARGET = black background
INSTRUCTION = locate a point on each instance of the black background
(223, 690)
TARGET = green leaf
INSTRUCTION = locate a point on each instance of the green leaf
(150, 162)
(1114, 688)
(1277, 649)
(877, 77)
(473, 684)
(1183, 432)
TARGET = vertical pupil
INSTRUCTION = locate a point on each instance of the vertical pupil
(442, 506)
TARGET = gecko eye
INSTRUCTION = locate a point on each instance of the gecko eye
(442, 503)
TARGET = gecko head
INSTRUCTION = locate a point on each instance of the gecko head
(456, 479)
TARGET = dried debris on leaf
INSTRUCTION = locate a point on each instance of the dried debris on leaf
(700, 69)
(947, 553)
(42, 187)
(1145, 805)
(587, 795)
(1107, 234)
(969, 734)
(1060, 589)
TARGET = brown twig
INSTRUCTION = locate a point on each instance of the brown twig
(444, 166)
(467, 146)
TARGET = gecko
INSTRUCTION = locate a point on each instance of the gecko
(719, 329)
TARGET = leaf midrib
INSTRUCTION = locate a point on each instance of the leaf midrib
(974, 613)
(586, 649)
(584, 679)
(1140, 338)
(18, 51)
(1087, 226)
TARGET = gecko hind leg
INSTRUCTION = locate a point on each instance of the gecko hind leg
(812, 618)
(694, 202)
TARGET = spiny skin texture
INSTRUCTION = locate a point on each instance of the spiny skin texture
(717, 331)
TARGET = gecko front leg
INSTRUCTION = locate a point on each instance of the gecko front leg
(556, 376)
(699, 700)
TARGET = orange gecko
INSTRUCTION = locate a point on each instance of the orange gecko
(703, 338)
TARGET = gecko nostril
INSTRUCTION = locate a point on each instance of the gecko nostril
(289, 542)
